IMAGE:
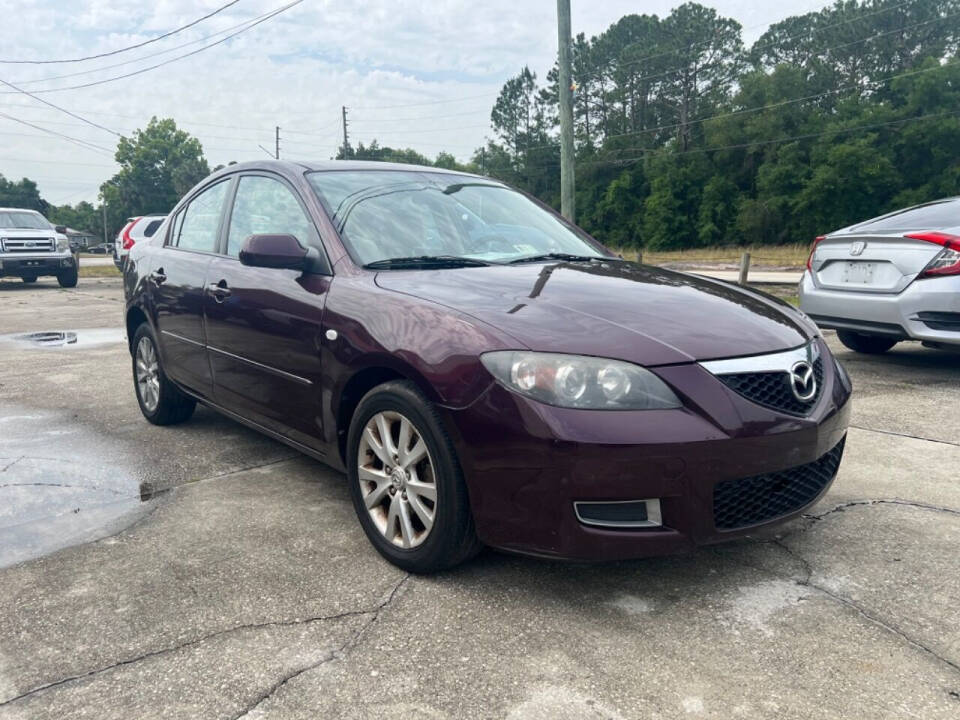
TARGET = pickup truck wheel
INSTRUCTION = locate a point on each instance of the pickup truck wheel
(161, 402)
(867, 344)
(68, 278)
(406, 483)
(29, 279)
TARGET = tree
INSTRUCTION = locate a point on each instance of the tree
(21, 194)
(158, 165)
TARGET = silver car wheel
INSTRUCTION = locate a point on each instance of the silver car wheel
(397, 479)
(148, 374)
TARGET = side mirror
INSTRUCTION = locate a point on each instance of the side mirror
(62, 229)
(274, 251)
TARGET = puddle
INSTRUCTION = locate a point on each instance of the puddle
(62, 485)
(43, 339)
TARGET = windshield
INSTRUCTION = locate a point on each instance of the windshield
(27, 220)
(384, 214)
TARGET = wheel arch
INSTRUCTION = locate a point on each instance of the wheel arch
(135, 318)
(373, 373)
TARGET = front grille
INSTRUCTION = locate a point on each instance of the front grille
(773, 389)
(749, 501)
(28, 245)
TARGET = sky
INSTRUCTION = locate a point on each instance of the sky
(420, 74)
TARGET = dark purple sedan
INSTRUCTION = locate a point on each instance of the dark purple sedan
(484, 371)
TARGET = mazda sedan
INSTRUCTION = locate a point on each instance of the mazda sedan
(483, 370)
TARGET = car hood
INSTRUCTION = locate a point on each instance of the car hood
(27, 232)
(615, 309)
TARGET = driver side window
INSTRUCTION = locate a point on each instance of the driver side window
(264, 206)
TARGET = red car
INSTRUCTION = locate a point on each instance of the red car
(484, 371)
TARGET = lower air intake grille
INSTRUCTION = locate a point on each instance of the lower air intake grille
(749, 501)
(773, 390)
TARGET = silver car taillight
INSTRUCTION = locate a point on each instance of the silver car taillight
(947, 262)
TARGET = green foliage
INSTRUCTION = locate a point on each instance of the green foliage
(82, 216)
(685, 139)
(158, 165)
(21, 194)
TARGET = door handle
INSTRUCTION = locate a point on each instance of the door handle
(157, 276)
(220, 290)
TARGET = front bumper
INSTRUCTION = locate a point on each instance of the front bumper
(29, 265)
(526, 464)
(904, 315)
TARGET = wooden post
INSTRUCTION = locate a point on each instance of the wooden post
(565, 88)
(744, 268)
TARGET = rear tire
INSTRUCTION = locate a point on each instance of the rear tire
(867, 344)
(29, 279)
(68, 278)
(451, 538)
(161, 402)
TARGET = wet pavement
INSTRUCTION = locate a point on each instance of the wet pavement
(205, 571)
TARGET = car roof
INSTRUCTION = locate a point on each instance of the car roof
(299, 166)
(29, 210)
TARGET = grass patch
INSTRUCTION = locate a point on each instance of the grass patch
(778, 256)
(99, 271)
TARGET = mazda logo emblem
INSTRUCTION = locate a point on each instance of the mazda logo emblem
(802, 381)
(31, 244)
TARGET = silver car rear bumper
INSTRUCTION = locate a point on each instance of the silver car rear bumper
(916, 313)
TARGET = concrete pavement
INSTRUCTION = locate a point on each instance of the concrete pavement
(234, 580)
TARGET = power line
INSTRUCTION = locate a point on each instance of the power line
(756, 143)
(75, 141)
(64, 110)
(760, 108)
(121, 50)
(142, 57)
(418, 104)
(674, 51)
(252, 25)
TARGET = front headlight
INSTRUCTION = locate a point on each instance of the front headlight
(577, 381)
(63, 243)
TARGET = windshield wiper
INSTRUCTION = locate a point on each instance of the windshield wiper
(425, 261)
(555, 256)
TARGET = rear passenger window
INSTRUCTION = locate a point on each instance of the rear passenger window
(201, 220)
(152, 227)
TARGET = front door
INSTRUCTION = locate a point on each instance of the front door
(263, 325)
(177, 288)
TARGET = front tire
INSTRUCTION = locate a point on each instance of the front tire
(867, 344)
(161, 402)
(406, 483)
(68, 278)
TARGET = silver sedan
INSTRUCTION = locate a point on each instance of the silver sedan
(893, 278)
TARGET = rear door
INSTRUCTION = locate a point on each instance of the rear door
(263, 324)
(177, 288)
(876, 256)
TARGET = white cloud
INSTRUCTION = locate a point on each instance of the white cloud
(294, 71)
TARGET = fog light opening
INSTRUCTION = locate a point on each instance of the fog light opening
(620, 513)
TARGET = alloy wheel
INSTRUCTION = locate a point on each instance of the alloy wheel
(397, 479)
(148, 374)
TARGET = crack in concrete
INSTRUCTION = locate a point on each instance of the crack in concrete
(11, 464)
(375, 611)
(337, 654)
(62, 485)
(807, 581)
(880, 501)
(905, 435)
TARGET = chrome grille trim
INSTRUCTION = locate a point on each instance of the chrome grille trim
(773, 362)
(29, 245)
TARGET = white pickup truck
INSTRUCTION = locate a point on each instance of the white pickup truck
(30, 247)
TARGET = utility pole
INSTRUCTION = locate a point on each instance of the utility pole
(104, 206)
(346, 143)
(483, 160)
(567, 208)
(278, 143)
